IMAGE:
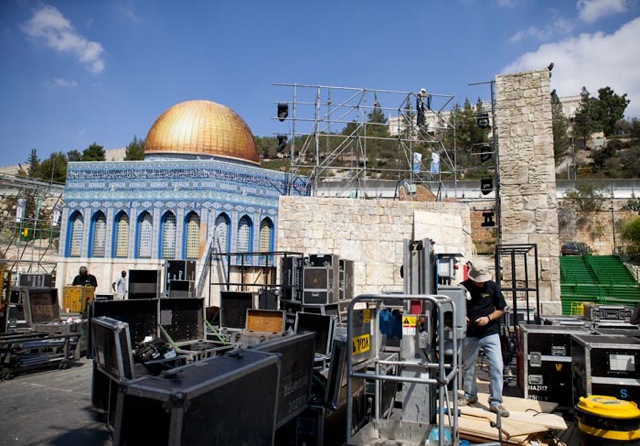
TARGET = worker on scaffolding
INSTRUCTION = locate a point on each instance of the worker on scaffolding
(84, 278)
(485, 306)
(423, 103)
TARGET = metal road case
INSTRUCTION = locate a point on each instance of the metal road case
(140, 314)
(322, 325)
(600, 312)
(630, 332)
(543, 362)
(606, 365)
(296, 370)
(112, 348)
(224, 400)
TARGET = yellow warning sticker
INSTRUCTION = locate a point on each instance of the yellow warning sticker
(409, 321)
(366, 316)
(361, 344)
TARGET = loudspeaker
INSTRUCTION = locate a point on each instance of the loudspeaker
(291, 268)
(144, 284)
(320, 285)
(233, 308)
(179, 288)
(346, 279)
(267, 299)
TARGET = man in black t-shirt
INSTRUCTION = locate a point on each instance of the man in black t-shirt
(84, 278)
(485, 306)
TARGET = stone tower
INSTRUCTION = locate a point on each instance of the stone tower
(527, 171)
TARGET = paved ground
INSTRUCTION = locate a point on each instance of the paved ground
(50, 408)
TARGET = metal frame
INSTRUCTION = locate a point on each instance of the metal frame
(46, 197)
(348, 105)
(523, 250)
(445, 373)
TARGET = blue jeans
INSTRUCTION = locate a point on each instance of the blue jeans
(493, 352)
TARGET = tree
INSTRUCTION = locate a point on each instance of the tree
(631, 234)
(611, 109)
(54, 168)
(560, 126)
(586, 121)
(94, 152)
(33, 163)
(135, 150)
(74, 155)
(634, 128)
(586, 197)
(630, 161)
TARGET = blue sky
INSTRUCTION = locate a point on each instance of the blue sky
(76, 72)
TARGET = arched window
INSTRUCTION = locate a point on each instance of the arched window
(168, 238)
(121, 235)
(145, 235)
(222, 233)
(76, 230)
(192, 236)
(244, 234)
(266, 235)
(98, 234)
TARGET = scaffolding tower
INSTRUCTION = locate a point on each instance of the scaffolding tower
(30, 224)
(330, 133)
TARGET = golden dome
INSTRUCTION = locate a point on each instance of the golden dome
(202, 128)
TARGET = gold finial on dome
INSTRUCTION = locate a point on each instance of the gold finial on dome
(202, 128)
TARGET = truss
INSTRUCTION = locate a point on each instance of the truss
(34, 206)
(331, 137)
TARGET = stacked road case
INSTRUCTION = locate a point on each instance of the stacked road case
(606, 365)
(224, 400)
(544, 362)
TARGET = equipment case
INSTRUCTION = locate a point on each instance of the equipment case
(224, 400)
(296, 370)
(606, 365)
(543, 362)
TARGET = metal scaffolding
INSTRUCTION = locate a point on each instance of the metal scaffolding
(331, 135)
(30, 224)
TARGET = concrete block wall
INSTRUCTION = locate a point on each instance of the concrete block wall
(371, 233)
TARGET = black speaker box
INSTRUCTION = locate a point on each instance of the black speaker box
(267, 299)
(346, 279)
(291, 277)
(144, 284)
(320, 285)
(233, 308)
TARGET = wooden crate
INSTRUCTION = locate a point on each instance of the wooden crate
(75, 298)
(265, 321)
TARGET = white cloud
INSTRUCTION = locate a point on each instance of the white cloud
(61, 83)
(51, 28)
(592, 60)
(128, 13)
(558, 26)
(590, 11)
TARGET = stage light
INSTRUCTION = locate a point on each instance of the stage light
(486, 185)
(485, 151)
(283, 111)
(483, 120)
(488, 219)
(282, 142)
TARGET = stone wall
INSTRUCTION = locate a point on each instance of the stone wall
(371, 233)
(529, 210)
